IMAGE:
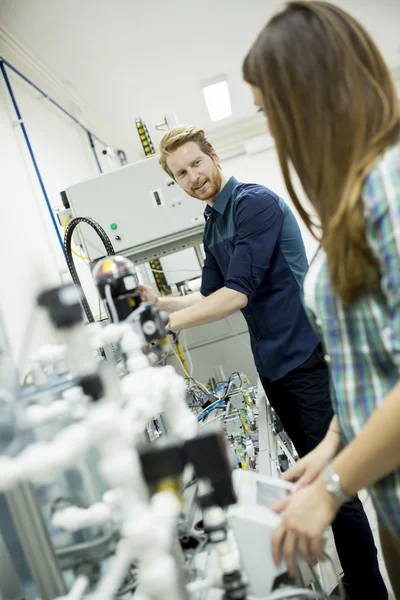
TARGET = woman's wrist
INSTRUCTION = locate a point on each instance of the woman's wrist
(332, 443)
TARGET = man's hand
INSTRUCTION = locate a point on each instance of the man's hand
(147, 294)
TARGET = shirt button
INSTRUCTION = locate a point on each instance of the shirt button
(318, 322)
(327, 358)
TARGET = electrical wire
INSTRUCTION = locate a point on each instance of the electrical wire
(72, 223)
(292, 593)
(237, 335)
(175, 270)
(216, 418)
(206, 411)
(230, 381)
(186, 350)
(179, 359)
(67, 218)
(199, 385)
(188, 485)
(110, 303)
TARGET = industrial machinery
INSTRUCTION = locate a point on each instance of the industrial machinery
(118, 474)
(119, 469)
(145, 213)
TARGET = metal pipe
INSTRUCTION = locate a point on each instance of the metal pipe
(35, 542)
(28, 143)
(10, 585)
(178, 556)
(37, 88)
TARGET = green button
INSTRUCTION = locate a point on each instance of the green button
(113, 226)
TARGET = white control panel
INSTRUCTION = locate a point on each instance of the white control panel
(139, 207)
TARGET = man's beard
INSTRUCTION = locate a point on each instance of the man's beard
(212, 188)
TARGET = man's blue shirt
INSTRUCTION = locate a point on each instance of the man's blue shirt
(253, 245)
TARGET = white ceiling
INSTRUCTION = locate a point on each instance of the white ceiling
(127, 58)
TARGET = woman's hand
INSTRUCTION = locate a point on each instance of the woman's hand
(308, 513)
(307, 469)
(311, 466)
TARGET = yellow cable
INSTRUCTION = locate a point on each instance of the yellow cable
(73, 251)
(182, 358)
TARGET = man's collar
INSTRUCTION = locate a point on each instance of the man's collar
(223, 198)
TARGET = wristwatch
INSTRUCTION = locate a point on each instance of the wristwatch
(333, 486)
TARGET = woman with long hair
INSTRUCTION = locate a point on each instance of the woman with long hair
(332, 109)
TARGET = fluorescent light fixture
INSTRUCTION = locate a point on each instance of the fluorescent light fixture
(218, 100)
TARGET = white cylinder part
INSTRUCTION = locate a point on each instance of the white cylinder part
(137, 363)
(71, 444)
(103, 420)
(166, 506)
(142, 530)
(111, 334)
(39, 462)
(120, 467)
(10, 473)
(213, 517)
(159, 577)
(73, 395)
(182, 423)
(227, 558)
(113, 499)
(131, 343)
(40, 377)
(74, 518)
(250, 449)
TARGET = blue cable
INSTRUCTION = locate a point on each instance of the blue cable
(218, 404)
(28, 143)
(3, 60)
(221, 386)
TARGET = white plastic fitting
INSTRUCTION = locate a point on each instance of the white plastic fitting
(71, 444)
(250, 449)
(159, 577)
(103, 420)
(74, 518)
(10, 474)
(137, 363)
(119, 467)
(50, 353)
(38, 414)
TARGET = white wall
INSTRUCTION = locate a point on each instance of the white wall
(28, 262)
(32, 258)
(264, 168)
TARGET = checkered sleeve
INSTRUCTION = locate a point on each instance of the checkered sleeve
(381, 196)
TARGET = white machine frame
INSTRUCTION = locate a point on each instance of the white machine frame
(143, 211)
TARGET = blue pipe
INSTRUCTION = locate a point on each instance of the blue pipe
(25, 134)
(91, 142)
(10, 66)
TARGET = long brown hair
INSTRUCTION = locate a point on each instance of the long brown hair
(332, 108)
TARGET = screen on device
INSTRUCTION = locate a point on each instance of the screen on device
(268, 495)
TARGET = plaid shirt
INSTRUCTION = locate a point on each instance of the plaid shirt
(362, 341)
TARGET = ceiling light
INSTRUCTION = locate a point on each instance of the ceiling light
(218, 100)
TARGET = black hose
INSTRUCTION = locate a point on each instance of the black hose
(72, 223)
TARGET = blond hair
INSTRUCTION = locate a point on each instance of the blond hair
(179, 136)
(333, 111)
